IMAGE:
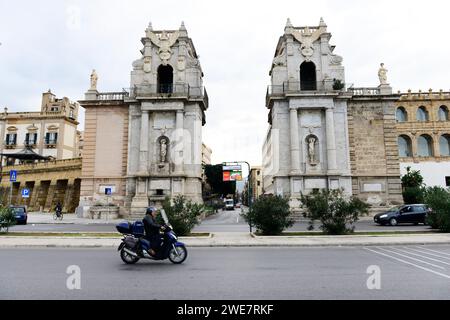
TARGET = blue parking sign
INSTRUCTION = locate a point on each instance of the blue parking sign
(13, 176)
(25, 193)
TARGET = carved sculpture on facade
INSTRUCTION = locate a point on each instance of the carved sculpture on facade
(164, 41)
(163, 143)
(307, 37)
(382, 74)
(94, 79)
(147, 64)
(312, 152)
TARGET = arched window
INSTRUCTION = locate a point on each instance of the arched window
(308, 78)
(404, 146)
(165, 79)
(444, 145)
(422, 114)
(401, 115)
(425, 146)
(443, 113)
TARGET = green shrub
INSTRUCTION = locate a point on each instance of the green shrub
(413, 195)
(183, 215)
(413, 187)
(333, 210)
(438, 200)
(7, 218)
(270, 215)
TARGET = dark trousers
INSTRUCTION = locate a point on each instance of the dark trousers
(155, 241)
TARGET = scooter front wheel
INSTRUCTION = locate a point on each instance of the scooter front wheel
(128, 258)
(177, 255)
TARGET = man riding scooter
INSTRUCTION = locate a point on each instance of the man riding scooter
(152, 230)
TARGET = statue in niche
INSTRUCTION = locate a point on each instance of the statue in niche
(163, 150)
(312, 150)
(94, 79)
(382, 74)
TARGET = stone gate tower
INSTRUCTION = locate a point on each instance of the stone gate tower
(144, 143)
(167, 112)
(307, 145)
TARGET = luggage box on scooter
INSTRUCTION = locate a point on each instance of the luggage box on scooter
(124, 228)
(138, 229)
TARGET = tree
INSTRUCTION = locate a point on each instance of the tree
(413, 187)
(333, 210)
(214, 177)
(183, 215)
(270, 215)
(438, 200)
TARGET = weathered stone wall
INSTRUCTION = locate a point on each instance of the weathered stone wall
(48, 182)
(104, 152)
(373, 150)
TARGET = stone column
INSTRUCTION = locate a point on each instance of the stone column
(331, 141)
(50, 196)
(68, 203)
(178, 157)
(143, 154)
(295, 142)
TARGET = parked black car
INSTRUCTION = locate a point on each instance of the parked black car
(20, 212)
(412, 213)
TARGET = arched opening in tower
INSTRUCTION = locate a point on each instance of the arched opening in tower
(308, 80)
(165, 79)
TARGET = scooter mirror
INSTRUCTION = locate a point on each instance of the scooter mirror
(164, 216)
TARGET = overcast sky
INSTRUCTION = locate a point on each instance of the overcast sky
(55, 44)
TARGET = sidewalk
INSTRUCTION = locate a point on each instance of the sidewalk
(47, 218)
(237, 240)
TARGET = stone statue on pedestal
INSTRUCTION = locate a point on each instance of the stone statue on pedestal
(382, 75)
(94, 79)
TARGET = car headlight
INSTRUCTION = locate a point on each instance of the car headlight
(384, 216)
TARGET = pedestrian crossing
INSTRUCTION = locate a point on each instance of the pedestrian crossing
(431, 260)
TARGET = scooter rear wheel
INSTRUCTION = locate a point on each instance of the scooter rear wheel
(178, 256)
(127, 258)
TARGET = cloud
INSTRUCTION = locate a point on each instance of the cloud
(56, 44)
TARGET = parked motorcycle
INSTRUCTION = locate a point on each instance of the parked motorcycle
(134, 247)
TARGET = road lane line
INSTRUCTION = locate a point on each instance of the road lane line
(445, 254)
(422, 256)
(410, 263)
(430, 254)
(418, 260)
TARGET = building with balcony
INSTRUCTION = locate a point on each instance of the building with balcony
(145, 142)
(423, 135)
(256, 182)
(52, 131)
(324, 133)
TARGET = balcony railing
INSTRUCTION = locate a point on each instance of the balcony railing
(175, 90)
(113, 95)
(292, 87)
(364, 91)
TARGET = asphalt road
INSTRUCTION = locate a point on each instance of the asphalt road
(414, 272)
(224, 221)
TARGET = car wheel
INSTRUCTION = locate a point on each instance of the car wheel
(393, 222)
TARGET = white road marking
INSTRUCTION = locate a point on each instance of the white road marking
(418, 260)
(422, 256)
(410, 263)
(445, 254)
(430, 254)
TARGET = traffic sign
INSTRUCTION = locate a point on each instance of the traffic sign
(13, 176)
(25, 193)
(108, 191)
